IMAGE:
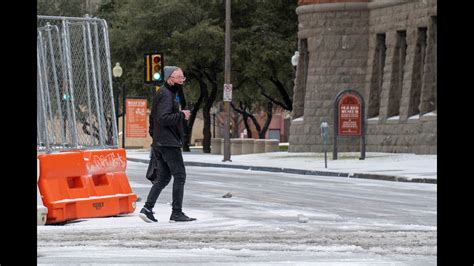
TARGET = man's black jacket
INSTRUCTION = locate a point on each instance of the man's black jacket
(166, 126)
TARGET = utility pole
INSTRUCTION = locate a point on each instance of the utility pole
(227, 81)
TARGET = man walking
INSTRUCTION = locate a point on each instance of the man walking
(167, 130)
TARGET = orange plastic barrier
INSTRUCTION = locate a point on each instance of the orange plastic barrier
(85, 184)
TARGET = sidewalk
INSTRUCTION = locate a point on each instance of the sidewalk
(402, 167)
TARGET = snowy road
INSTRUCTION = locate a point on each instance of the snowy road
(350, 222)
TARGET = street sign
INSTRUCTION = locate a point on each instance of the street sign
(227, 92)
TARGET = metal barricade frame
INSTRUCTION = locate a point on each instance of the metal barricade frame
(75, 101)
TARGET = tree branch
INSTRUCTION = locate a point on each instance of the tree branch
(273, 100)
(284, 94)
(245, 116)
(262, 91)
(257, 125)
(267, 122)
(240, 111)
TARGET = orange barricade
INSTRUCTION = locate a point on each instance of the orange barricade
(85, 184)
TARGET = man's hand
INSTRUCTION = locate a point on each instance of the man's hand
(186, 113)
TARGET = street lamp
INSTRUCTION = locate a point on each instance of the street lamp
(294, 59)
(117, 72)
(213, 112)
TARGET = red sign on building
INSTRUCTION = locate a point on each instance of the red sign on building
(349, 109)
(136, 118)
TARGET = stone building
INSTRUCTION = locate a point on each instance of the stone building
(383, 49)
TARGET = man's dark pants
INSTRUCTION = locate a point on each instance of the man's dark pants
(170, 163)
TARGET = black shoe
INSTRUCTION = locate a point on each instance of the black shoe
(147, 216)
(180, 217)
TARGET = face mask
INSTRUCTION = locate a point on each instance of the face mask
(178, 86)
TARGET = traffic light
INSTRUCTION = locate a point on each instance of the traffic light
(154, 68)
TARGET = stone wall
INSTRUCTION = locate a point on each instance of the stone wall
(405, 132)
(344, 46)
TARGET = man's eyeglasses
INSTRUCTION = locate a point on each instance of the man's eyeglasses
(179, 77)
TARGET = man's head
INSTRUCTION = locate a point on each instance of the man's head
(174, 75)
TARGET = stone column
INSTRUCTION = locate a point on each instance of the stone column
(337, 34)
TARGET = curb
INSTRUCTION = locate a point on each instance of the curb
(305, 172)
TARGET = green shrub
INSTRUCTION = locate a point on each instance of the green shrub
(283, 147)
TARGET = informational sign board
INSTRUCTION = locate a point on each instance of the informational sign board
(227, 92)
(349, 118)
(349, 109)
(136, 118)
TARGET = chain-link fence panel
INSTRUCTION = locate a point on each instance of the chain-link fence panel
(75, 105)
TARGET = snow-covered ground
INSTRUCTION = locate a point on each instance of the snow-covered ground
(397, 164)
(349, 222)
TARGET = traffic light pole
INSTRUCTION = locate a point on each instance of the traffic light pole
(123, 114)
(116, 103)
(227, 81)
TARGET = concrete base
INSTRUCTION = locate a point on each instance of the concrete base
(247, 146)
(236, 146)
(271, 145)
(41, 211)
(259, 146)
(216, 144)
